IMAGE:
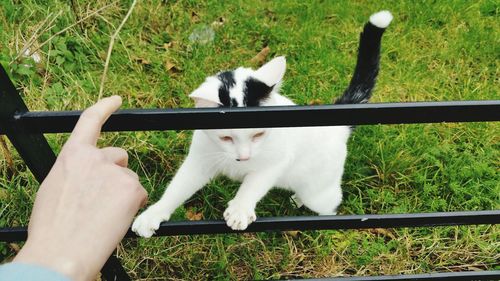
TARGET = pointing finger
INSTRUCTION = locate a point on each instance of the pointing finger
(89, 125)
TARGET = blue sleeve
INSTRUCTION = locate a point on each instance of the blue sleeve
(21, 271)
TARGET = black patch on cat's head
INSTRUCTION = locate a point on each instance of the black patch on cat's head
(255, 91)
(227, 79)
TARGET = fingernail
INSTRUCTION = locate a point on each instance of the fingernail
(117, 98)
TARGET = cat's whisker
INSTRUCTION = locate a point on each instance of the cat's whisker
(218, 162)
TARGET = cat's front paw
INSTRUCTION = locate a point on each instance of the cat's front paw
(238, 216)
(148, 222)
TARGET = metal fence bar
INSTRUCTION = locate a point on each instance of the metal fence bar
(13, 234)
(36, 151)
(275, 116)
(445, 276)
(114, 271)
(33, 147)
(269, 224)
(332, 222)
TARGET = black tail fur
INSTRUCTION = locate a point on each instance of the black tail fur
(367, 66)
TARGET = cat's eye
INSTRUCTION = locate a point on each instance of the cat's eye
(258, 135)
(226, 138)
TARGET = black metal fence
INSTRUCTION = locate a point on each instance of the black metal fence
(25, 130)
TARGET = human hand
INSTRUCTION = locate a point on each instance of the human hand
(86, 204)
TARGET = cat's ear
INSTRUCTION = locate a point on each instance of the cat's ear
(272, 72)
(205, 98)
(207, 95)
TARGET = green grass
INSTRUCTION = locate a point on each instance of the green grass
(434, 50)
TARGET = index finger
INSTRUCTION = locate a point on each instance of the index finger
(88, 127)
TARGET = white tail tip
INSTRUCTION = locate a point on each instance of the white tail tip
(381, 19)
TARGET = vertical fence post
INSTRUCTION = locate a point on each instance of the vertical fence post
(37, 153)
(114, 271)
(33, 148)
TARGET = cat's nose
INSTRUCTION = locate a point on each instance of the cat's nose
(243, 158)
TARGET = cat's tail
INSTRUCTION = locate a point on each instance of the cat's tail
(367, 65)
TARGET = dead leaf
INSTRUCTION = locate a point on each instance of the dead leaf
(219, 22)
(168, 45)
(315, 102)
(194, 17)
(142, 61)
(171, 67)
(292, 233)
(193, 216)
(15, 247)
(332, 16)
(260, 58)
(382, 231)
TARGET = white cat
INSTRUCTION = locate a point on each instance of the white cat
(309, 161)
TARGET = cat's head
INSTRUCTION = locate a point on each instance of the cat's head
(241, 87)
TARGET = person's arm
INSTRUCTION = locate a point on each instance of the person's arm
(31, 272)
(86, 204)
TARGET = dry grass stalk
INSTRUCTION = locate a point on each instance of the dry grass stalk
(7, 154)
(46, 27)
(35, 35)
(111, 44)
(71, 26)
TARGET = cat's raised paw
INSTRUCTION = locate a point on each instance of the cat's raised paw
(238, 216)
(146, 224)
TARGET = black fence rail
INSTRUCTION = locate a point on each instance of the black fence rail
(265, 117)
(270, 224)
(25, 130)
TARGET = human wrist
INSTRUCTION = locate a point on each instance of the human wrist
(53, 257)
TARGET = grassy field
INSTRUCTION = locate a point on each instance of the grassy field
(433, 51)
